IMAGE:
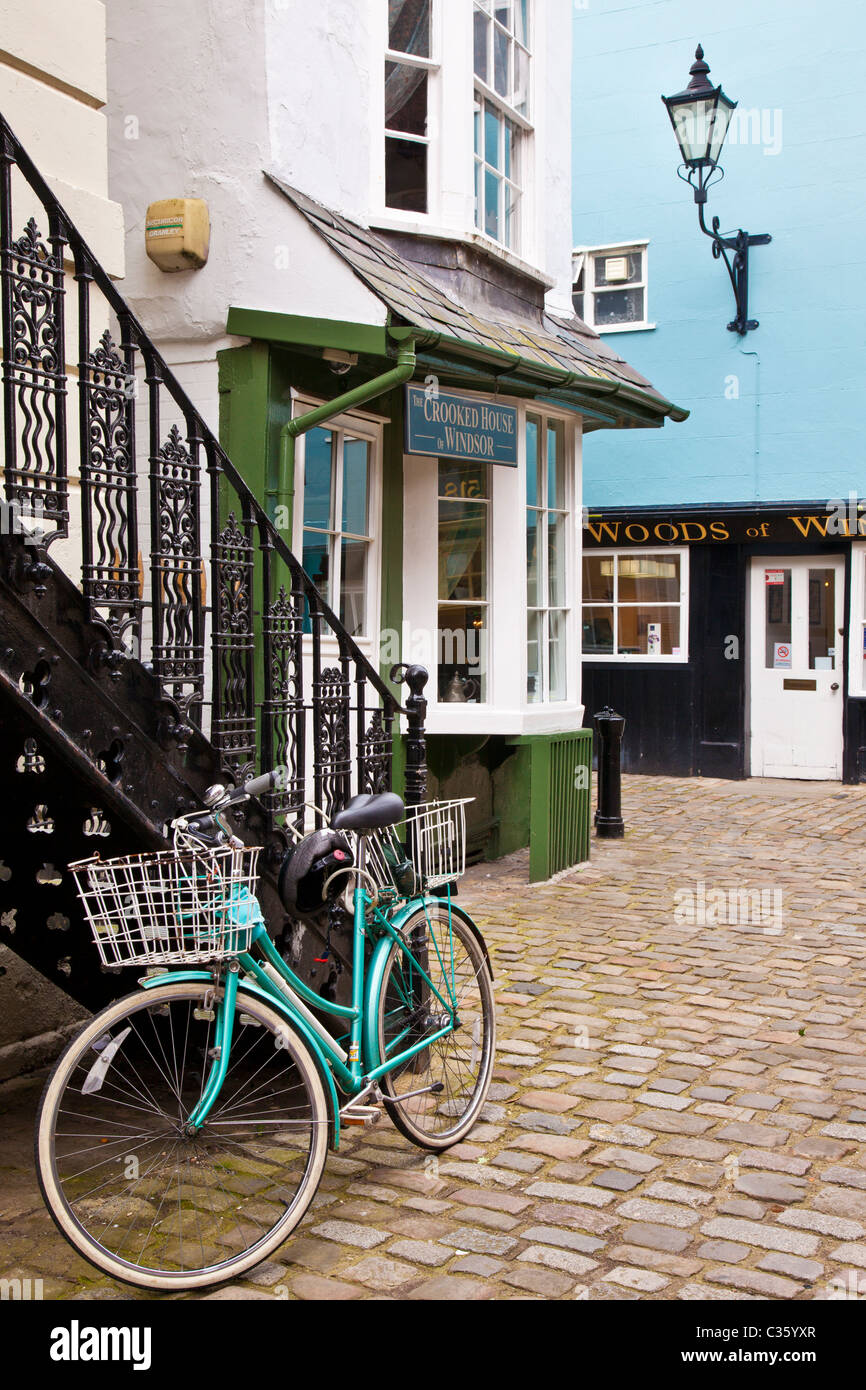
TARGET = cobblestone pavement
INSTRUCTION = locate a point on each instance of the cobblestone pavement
(679, 1102)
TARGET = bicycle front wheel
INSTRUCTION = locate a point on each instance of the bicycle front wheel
(436, 1096)
(130, 1190)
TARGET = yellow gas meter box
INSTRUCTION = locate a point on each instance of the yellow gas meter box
(177, 233)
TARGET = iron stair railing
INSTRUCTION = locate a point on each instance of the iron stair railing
(162, 517)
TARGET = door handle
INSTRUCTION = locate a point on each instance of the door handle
(835, 685)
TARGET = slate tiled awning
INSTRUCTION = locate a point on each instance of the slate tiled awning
(543, 346)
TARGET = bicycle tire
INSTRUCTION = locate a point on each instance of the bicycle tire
(463, 1070)
(238, 1188)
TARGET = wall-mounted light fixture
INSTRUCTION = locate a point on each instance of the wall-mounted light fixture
(700, 116)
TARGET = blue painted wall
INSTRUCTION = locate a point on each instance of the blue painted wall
(796, 430)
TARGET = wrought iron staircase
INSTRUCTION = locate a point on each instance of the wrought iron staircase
(158, 635)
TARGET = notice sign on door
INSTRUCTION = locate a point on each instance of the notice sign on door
(774, 576)
(781, 656)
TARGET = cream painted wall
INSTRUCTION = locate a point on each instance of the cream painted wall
(52, 93)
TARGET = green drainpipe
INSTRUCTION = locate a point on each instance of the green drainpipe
(359, 395)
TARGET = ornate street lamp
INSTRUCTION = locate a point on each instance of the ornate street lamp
(700, 116)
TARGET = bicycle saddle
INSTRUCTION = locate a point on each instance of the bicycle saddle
(366, 812)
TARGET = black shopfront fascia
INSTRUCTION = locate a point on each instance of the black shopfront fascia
(689, 718)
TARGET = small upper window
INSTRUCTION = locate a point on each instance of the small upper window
(408, 72)
(609, 289)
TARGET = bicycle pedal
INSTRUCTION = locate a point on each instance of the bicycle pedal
(360, 1114)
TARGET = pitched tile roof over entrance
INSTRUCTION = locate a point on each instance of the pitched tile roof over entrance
(541, 341)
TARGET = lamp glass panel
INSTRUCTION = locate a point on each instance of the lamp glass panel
(721, 120)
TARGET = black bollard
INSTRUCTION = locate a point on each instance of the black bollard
(609, 823)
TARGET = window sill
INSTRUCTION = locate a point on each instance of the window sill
(626, 328)
(623, 659)
(487, 719)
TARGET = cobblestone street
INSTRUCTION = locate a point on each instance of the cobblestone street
(679, 1103)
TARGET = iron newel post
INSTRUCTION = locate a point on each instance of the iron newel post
(416, 678)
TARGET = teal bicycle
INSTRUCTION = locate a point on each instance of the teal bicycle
(183, 1133)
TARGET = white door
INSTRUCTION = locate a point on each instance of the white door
(795, 668)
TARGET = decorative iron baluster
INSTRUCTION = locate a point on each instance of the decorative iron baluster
(176, 565)
(111, 575)
(34, 375)
(234, 723)
(283, 714)
(374, 744)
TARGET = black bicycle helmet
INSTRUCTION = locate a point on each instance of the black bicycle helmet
(306, 868)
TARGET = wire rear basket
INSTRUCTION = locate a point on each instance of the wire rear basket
(170, 908)
(422, 852)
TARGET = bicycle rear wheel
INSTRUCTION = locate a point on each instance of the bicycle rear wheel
(436, 1097)
(130, 1190)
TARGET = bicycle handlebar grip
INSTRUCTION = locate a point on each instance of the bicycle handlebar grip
(259, 785)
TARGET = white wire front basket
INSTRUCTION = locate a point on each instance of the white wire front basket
(422, 852)
(168, 908)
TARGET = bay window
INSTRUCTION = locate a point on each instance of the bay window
(337, 523)
(501, 116)
(547, 519)
(409, 69)
(464, 521)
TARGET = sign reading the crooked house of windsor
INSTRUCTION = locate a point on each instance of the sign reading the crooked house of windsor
(460, 427)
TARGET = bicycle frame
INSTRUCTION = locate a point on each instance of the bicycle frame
(363, 1066)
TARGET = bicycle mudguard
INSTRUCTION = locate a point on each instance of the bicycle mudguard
(376, 970)
(183, 977)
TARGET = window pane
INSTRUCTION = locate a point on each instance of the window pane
(510, 150)
(777, 609)
(534, 686)
(598, 579)
(556, 648)
(521, 21)
(531, 461)
(577, 304)
(317, 562)
(556, 560)
(462, 550)
(405, 99)
(477, 117)
(556, 465)
(458, 479)
(462, 636)
(597, 630)
(482, 31)
(491, 137)
(822, 620)
(649, 579)
(478, 176)
(500, 62)
(648, 631)
(520, 98)
(532, 598)
(614, 268)
(318, 449)
(619, 306)
(409, 27)
(405, 175)
(512, 216)
(502, 11)
(353, 586)
(356, 461)
(491, 204)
